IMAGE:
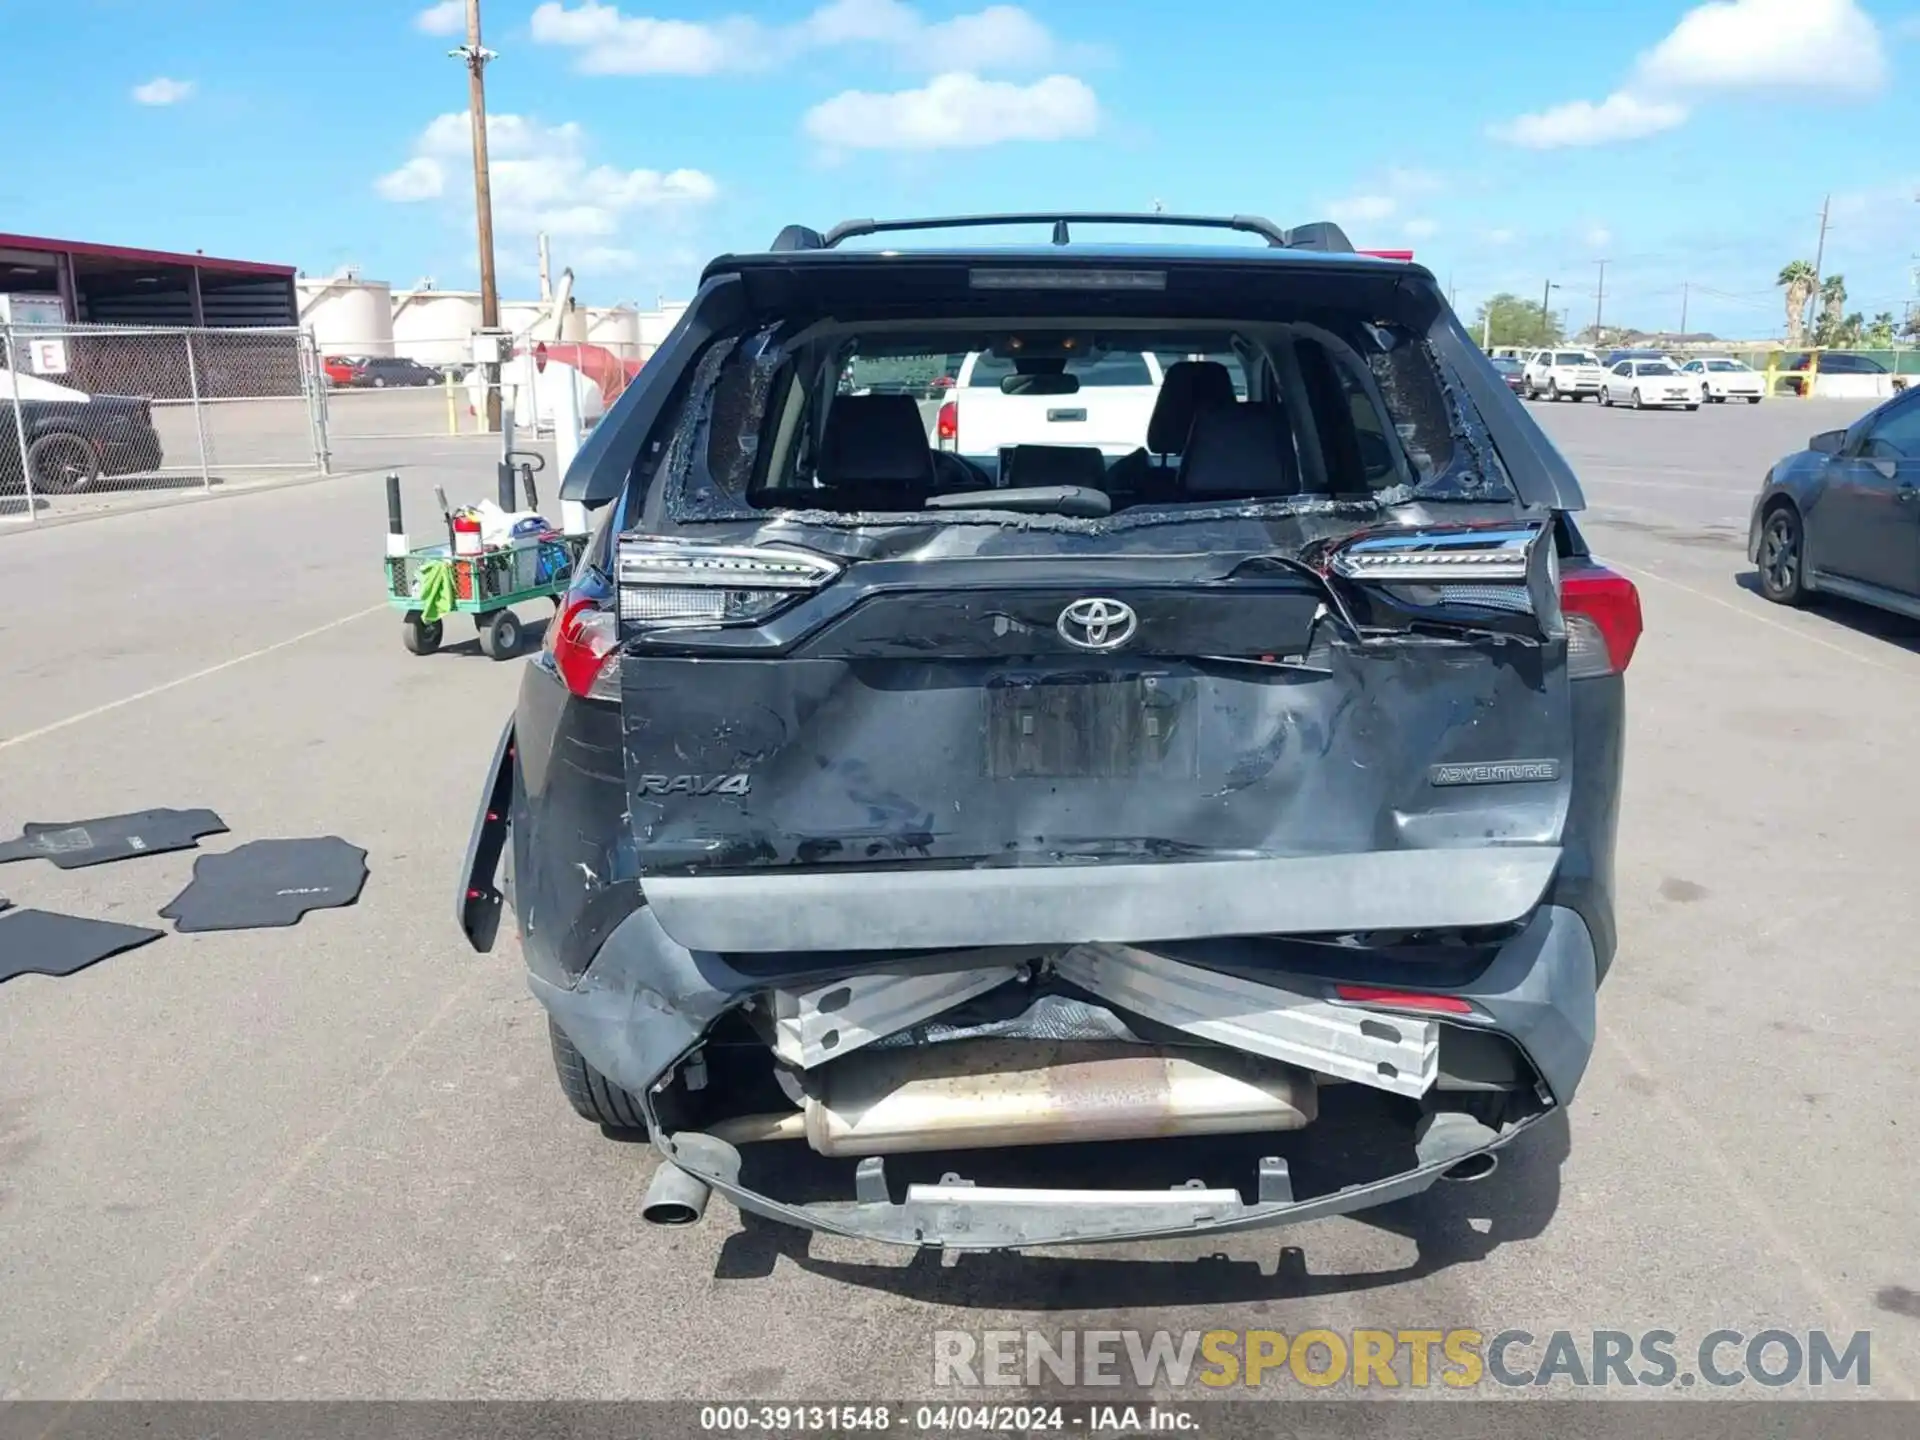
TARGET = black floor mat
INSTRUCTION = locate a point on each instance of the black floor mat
(267, 883)
(75, 844)
(43, 943)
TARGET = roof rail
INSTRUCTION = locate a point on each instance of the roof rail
(1319, 235)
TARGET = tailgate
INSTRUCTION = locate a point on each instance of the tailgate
(947, 754)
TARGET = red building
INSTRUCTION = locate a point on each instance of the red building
(114, 285)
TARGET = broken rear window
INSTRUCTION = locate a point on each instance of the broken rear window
(1073, 421)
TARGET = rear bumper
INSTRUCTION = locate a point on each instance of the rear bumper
(647, 1001)
(919, 908)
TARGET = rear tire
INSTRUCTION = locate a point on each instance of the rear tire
(1783, 555)
(1606, 398)
(1753, 399)
(592, 1096)
(1692, 408)
(1553, 390)
(62, 464)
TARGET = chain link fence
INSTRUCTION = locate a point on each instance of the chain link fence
(91, 415)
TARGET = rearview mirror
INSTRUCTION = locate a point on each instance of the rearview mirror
(1828, 442)
(1040, 385)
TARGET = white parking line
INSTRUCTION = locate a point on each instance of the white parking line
(1758, 619)
(161, 689)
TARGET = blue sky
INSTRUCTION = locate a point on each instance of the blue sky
(1508, 145)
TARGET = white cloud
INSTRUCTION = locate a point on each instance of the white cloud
(956, 111)
(1749, 44)
(162, 91)
(421, 178)
(1620, 116)
(1378, 201)
(1765, 46)
(543, 178)
(1361, 209)
(449, 17)
(1598, 237)
(611, 42)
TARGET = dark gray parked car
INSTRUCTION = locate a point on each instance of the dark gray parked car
(1843, 515)
(972, 850)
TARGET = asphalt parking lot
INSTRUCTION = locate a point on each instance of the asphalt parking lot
(332, 1161)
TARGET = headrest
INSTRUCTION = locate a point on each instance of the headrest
(1189, 387)
(876, 440)
(1239, 452)
(1029, 465)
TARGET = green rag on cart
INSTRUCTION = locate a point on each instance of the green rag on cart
(436, 590)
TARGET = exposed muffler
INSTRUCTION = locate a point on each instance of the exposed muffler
(674, 1197)
(983, 1094)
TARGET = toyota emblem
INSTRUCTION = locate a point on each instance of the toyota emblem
(1097, 623)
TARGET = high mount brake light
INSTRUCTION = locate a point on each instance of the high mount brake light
(583, 644)
(674, 583)
(1602, 611)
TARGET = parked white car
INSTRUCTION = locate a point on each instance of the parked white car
(1650, 384)
(1109, 411)
(1722, 378)
(1562, 375)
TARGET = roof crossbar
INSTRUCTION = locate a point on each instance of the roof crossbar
(1318, 235)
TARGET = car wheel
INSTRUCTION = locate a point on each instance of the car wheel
(1636, 397)
(422, 637)
(500, 635)
(1753, 399)
(592, 1095)
(1692, 408)
(1782, 555)
(1553, 390)
(1606, 398)
(379, 382)
(62, 464)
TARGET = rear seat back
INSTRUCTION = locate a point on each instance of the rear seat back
(1239, 452)
(874, 453)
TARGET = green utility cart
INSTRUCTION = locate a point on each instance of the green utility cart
(486, 586)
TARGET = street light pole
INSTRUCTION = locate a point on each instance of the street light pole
(1546, 314)
(476, 57)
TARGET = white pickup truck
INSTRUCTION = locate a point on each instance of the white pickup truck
(1109, 411)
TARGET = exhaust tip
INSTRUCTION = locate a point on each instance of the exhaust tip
(1474, 1167)
(674, 1198)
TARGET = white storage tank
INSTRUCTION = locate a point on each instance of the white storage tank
(656, 324)
(348, 315)
(615, 327)
(520, 316)
(436, 327)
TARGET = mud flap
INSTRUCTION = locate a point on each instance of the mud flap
(479, 903)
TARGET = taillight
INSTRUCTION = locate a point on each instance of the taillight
(582, 643)
(1602, 611)
(677, 584)
(946, 428)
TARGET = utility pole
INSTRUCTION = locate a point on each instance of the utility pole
(1819, 256)
(1684, 284)
(1600, 303)
(546, 271)
(1546, 315)
(476, 57)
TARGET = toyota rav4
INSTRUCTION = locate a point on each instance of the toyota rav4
(1048, 844)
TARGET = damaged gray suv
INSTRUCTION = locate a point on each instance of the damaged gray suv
(986, 850)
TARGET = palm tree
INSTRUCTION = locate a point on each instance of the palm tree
(1797, 277)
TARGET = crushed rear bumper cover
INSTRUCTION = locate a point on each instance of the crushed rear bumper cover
(647, 1001)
